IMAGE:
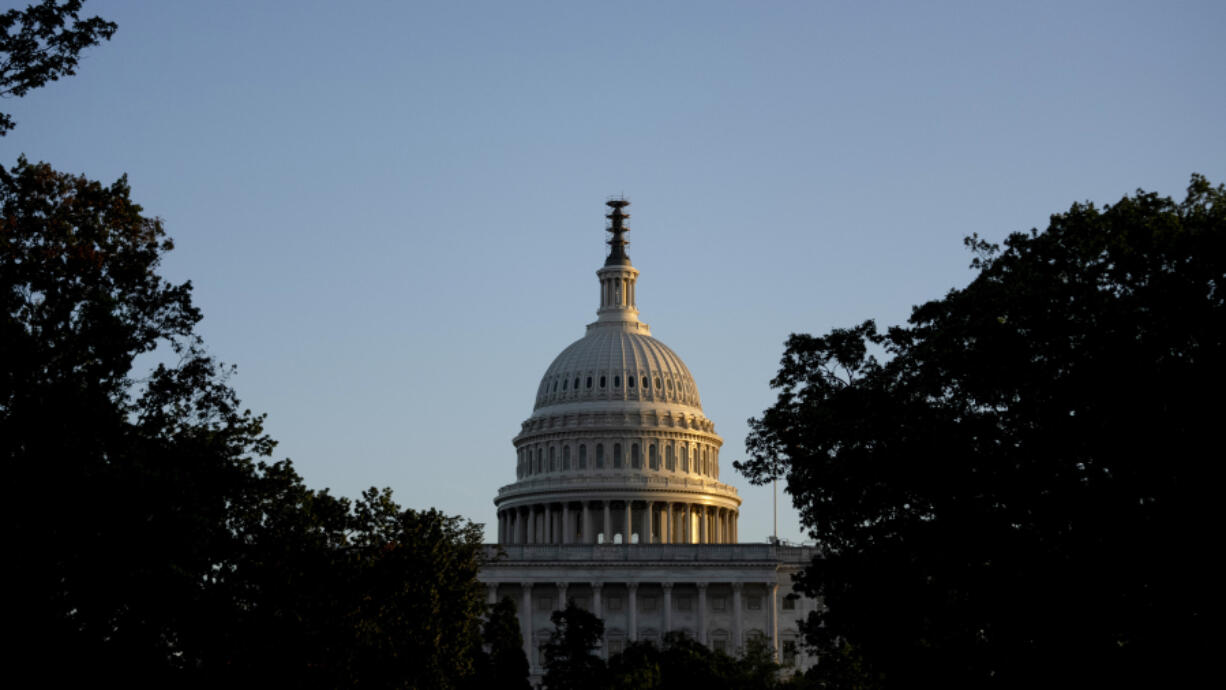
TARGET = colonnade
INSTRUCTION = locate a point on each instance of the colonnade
(617, 522)
(707, 622)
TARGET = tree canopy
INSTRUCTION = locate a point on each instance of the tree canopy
(678, 661)
(154, 541)
(1019, 482)
(40, 45)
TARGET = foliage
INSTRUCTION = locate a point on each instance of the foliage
(153, 544)
(1023, 485)
(37, 45)
(570, 659)
(504, 665)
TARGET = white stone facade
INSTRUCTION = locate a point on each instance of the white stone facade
(617, 502)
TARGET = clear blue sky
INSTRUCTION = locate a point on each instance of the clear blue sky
(392, 212)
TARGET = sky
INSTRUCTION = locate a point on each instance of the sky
(392, 212)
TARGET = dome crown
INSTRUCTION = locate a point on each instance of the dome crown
(617, 364)
(617, 359)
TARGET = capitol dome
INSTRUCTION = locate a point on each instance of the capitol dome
(617, 449)
(614, 364)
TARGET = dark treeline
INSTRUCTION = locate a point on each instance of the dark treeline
(1020, 484)
(153, 542)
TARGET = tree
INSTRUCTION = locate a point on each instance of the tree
(682, 662)
(570, 661)
(505, 665)
(38, 46)
(1021, 486)
(153, 542)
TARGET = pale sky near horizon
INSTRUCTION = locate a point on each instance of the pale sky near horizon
(392, 212)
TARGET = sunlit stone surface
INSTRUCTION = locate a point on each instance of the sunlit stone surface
(617, 502)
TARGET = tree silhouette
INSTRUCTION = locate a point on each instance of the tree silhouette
(1019, 483)
(38, 45)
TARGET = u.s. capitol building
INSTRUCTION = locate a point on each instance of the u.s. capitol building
(617, 502)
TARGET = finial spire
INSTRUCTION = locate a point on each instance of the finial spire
(617, 255)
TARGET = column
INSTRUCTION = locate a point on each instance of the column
(666, 524)
(702, 525)
(566, 530)
(492, 598)
(548, 523)
(531, 524)
(632, 632)
(772, 601)
(702, 612)
(525, 621)
(608, 523)
(648, 528)
(629, 525)
(596, 610)
(668, 608)
(561, 596)
(738, 627)
(687, 529)
(717, 536)
(585, 524)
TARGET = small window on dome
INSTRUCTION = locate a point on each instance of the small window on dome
(657, 383)
(646, 382)
(602, 382)
(617, 382)
(555, 386)
(563, 385)
(589, 382)
(668, 383)
(576, 383)
(630, 381)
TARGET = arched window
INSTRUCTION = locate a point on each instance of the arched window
(582, 456)
(602, 381)
(539, 461)
(685, 457)
(566, 457)
(635, 461)
(576, 383)
(564, 385)
(704, 460)
(589, 382)
(669, 463)
(646, 382)
(630, 382)
(617, 382)
(617, 456)
(657, 383)
(653, 460)
(600, 456)
(553, 461)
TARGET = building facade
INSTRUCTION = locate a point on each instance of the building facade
(617, 502)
